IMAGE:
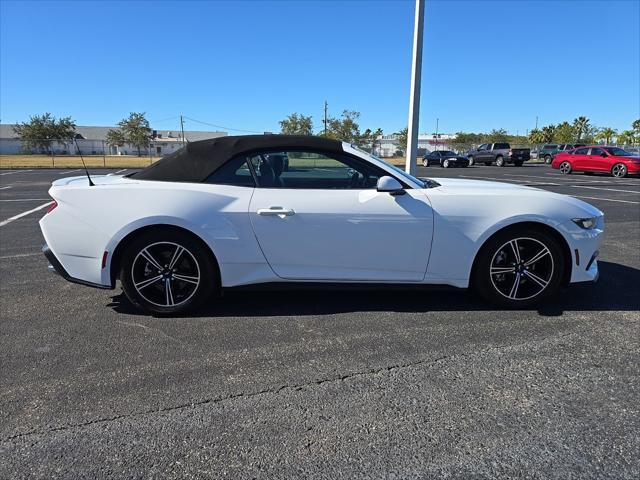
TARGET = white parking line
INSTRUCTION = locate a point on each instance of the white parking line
(16, 171)
(70, 171)
(20, 255)
(24, 200)
(606, 199)
(4, 188)
(608, 189)
(512, 180)
(24, 214)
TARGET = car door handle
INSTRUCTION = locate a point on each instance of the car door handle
(276, 211)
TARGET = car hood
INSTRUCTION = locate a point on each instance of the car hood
(482, 189)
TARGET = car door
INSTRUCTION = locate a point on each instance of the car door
(481, 154)
(579, 159)
(323, 219)
(597, 161)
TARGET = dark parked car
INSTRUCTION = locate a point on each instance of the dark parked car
(501, 153)
(547, 152)
(444, 158)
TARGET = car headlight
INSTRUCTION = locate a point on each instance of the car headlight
(586, 223)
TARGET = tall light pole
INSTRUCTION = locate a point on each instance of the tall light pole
(414, 94)
(437, 123)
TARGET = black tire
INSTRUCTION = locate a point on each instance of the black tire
(500, 161)
(184, 294)
(497, 288)
(565, 168)
(619, 170)
(471, 160)
(547, 159)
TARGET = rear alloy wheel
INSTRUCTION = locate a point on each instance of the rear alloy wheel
(500, 161)
(167, 273)
(470, 158)
(547, 159)
(619, 170)
(518, 268)
(565, 168)
(445, 163)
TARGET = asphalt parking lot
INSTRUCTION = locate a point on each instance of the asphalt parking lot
(331, 383)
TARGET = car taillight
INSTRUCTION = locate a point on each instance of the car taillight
(52, 207)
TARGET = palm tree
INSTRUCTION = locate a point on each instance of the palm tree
(548, 133)
(606, 134)
(636, 125)
(627, 137)
(580, 126)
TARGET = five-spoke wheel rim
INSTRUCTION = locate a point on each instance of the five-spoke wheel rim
(619, 170)
(521, 269)
(165, 274)
(565, 167)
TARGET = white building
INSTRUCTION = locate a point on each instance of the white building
(93, 141)
(388, 145)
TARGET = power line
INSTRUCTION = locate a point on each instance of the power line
(220, 126)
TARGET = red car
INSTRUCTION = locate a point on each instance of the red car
(597, 158)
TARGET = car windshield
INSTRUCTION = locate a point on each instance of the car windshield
(426, 183)
(618, 152)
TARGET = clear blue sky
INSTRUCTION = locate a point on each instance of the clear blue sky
(247, 64)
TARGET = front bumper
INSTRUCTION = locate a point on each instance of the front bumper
(56, 267)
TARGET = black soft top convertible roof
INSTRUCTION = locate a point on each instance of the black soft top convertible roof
(197, 160)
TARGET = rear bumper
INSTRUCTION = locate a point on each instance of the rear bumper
(56, 267)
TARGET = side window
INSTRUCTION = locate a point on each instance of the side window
(235, 172)
(313, 170)
(482, 147)
(581, 151)
(501, 146)
(597, 151)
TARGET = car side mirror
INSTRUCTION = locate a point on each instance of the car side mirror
(390, 185)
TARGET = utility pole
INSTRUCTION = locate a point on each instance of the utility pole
(414, 92)
(325, 117)
(182, 128)
(536, 122)
(437, 124)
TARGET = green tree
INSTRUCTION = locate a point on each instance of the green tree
(345, 128)
(297, 124)
(564, 133)
(627, 137)
(402, 137)
(41, 131)
(535, 136)
(464, 141)
(606, 134)
(134, 130)
(496, 136)
(116, 138)
(581, 127)
(369, 138)
(548, 133)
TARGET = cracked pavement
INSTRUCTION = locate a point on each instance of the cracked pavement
(331, 383)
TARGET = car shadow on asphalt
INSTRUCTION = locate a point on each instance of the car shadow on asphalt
(616, 290)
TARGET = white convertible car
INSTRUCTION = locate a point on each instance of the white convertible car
(273, 208)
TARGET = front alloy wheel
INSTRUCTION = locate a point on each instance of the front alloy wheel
(470, 160)
(565, 168)
(425, 163)
(519, 268)
(619, 170)
(445, 164)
